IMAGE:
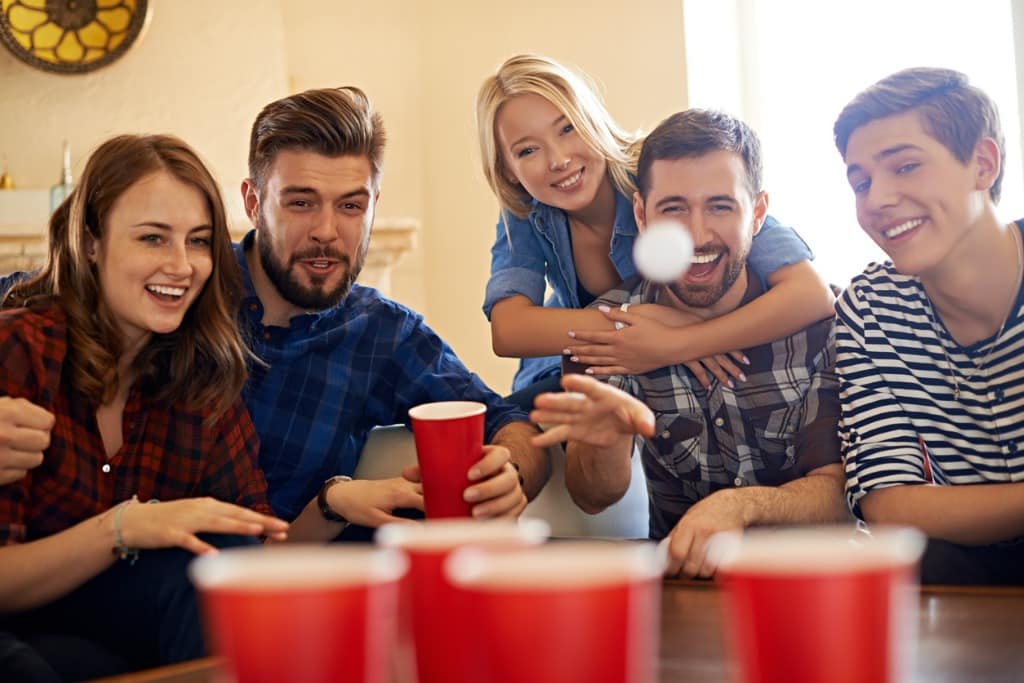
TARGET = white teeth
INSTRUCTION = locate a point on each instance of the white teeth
(699, 259)
(168, 291)
(570, 181)
(320, 264)
(902, 228)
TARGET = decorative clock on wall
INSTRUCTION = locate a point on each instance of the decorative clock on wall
(71, 36)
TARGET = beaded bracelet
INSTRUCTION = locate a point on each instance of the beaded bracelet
(120, 550)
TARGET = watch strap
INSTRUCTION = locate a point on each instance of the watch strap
(321, 499)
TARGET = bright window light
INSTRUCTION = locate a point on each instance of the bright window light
(788, 67)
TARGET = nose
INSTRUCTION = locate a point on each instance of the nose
(323, 230)
(560, 158)
(700, 231)
(880, 195)
(179, 262)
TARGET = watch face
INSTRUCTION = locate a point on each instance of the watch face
(71, 36)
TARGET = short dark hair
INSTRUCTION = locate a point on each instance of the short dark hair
(694, 133)
(952, 111)
(330, 121)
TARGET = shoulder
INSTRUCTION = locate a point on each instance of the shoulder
(38, 328)
(880, 286)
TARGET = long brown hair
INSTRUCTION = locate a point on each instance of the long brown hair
(203, 362)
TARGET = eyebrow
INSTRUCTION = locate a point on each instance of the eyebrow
(300, 189)
(164, 226)
(677, 198)
(554, 123)
(881, 156)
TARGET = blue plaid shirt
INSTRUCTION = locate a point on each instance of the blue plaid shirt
(334, 375)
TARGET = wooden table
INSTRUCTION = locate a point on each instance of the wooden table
(965, 635)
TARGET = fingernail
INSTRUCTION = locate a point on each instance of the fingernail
(603, 308)
(474, 473)
(746, 361)
(731, 384)
(743, 378)
(470, 495)
(574, 359)
(589, 371)
(572, 334)
(566, 352)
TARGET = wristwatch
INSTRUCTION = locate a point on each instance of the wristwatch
(321, 500)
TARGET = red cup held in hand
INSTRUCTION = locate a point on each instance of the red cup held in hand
(449, 440)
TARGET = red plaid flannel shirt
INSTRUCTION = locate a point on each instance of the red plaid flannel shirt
(167, 454)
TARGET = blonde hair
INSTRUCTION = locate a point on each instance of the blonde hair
(576, 97)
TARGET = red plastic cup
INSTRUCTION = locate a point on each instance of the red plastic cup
(301, 613)
(449, 440)
(573, 611)
(432, 618)
(815, 605)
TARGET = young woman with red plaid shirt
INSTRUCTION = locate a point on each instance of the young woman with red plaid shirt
(121, 365)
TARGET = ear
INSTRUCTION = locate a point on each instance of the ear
(90, 247)
(760, 210)
(638, 212)
(987, 163)
(251, 200)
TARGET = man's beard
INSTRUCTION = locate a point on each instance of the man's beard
(315, 297)
(703, 296)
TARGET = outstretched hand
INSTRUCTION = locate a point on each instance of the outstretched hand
(176, 523)
(590, 412)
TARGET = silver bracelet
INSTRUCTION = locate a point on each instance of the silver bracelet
(120, 550)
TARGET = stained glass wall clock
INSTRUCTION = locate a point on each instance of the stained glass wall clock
(71, 36)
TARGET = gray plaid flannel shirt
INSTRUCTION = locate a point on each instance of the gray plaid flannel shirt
(777, 426)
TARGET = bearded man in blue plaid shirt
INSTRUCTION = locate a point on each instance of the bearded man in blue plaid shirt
(340, 359)
(762, 451)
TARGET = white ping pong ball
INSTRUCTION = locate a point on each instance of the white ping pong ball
(663, 251)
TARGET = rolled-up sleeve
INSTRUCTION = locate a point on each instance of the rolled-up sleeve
(518, 266)
(776, 246)
(817, 441)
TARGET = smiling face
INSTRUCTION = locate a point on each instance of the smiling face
(709, 195)
(154, 256)
(543, 152)
(313, 223)
(914, 198)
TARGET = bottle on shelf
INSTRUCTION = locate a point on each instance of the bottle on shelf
(63, 188)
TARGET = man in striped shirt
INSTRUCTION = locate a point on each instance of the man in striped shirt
(762, 452)
(930, 344)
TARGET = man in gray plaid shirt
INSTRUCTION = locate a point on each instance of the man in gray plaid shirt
(763, 452)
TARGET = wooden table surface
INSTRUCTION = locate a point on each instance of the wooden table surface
(965, 635)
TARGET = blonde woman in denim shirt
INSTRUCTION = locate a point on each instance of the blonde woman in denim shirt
(563, 173)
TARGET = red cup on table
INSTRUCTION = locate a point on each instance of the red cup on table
(449, 439)
(432, 616)
(813, 605)
(570, 611)
(301, 613)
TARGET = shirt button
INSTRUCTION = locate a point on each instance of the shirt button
(999, 394)
(253, 307)
(665, 434)
(719, 422)
(1012, 447)
(106, 467)
(266, 335)
(738, 481)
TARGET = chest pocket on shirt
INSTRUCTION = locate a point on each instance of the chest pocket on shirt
(775, 434)
(676, 444)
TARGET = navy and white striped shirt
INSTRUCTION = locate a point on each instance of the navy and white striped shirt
(901, 423)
